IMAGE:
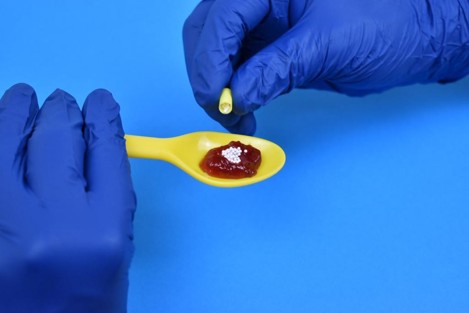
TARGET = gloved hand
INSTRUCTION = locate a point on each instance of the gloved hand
(66, 204)
(265, 48)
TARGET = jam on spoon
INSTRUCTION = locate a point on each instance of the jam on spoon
(234, 160)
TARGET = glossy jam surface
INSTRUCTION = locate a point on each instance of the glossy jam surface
(234, 160)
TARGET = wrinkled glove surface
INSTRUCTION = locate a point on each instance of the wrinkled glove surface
(265, 48)
(66, 204)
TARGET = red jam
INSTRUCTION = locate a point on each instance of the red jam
(234, 160)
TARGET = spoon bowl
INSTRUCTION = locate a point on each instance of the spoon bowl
(188, 150)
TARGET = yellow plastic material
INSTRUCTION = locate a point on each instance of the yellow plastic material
(225, 105)
(188, 150)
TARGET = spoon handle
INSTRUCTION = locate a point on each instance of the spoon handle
(148, 147)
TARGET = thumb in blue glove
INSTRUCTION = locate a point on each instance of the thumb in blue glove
(66, 204)
(265, 48)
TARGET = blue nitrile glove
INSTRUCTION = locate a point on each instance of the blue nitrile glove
(265, 48)
(66, 204)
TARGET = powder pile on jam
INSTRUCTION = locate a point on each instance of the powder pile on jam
(234, 160)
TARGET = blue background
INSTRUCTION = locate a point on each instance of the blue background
(370, 213)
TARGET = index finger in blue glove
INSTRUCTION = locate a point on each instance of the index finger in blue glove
(108, 168)
(18, 109)
(56, 149)
(302, 57)
(275, 70)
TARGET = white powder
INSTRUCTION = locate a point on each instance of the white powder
(232, 154)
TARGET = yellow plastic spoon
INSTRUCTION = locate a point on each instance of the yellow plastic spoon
(188, 150)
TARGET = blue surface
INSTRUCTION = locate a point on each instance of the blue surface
(370, 213)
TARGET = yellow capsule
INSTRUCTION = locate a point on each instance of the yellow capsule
(226, 101)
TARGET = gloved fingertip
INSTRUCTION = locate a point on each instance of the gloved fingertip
(60, 108)
(20, 100)
(102, 114)
(98, 102)
(21, 88)
(18, 92)
(246, 125)
(60, 93)
(226, 120)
